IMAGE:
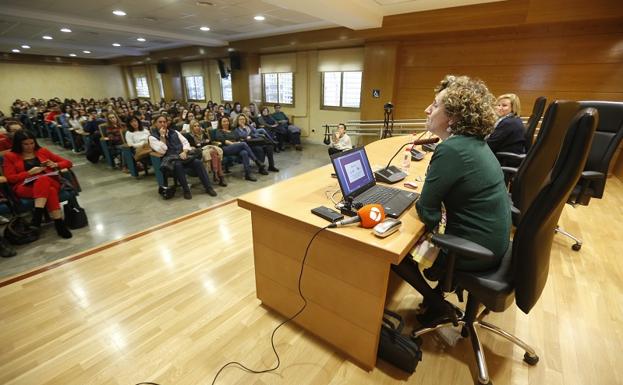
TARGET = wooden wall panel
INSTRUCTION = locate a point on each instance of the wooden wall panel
(574, 65)
(379, 71)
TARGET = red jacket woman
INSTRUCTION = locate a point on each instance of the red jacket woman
(25, 168)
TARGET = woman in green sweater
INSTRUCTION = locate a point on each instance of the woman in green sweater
(466, 180)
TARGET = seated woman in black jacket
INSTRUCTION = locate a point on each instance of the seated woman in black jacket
(231, 145)
(509, 134)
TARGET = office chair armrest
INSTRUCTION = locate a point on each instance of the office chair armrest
(592, 175)
(461, 246)
(456, 245)
(509, 170)
(504, 155)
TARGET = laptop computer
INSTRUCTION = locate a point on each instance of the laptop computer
(358, 185)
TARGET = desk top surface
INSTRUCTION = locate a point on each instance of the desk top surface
(295, 197)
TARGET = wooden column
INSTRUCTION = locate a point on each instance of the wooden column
(172, 82)
(379, 73)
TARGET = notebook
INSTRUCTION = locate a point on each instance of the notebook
(358, 185)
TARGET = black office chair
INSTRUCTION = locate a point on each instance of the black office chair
(510, 158)
(522, 274)
(608, 137)
(528, 179)
(533, 120)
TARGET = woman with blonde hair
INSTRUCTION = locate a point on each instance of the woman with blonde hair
(509, 134)
(212, 155)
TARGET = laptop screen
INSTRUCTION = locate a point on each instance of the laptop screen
(353, 171)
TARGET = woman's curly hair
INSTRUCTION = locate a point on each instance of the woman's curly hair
(469, 104)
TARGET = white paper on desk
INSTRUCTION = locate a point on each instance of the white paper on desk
(35, 177)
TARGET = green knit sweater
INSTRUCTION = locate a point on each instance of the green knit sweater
(466, 177)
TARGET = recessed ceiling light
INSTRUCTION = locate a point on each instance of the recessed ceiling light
(259, 18)
(72, 55)
(230, 49)
(205, 28)
(86, 51)
(25, 46)
(119, 12)
(15, 50)
(116, 45)
(46, 37)
(65, 30)
(141, 39)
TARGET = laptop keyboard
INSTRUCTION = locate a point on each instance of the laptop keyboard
(378, 194)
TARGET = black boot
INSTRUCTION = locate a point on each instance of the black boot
(36, 217)
(250, 177)
(221, 181)
(61, 229)
(261, 168)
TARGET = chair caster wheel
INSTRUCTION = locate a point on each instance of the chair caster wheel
(530, 360)
(576, 246)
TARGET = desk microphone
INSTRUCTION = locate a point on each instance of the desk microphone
(392, 174)
(369, 216)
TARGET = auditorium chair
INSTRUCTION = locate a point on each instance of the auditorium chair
(522, 273)
(607, 139)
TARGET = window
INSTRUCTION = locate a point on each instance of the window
(226, 91)
(194, 88)
(142, 90)
(341, 89)
(279, 87)
(161, 87)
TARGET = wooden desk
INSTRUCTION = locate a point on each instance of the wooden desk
(347, 269)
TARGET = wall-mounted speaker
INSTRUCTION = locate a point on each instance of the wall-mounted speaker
(162, 68)
(234, 60)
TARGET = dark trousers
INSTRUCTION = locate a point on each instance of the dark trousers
(264, 151)
(409, 271)
(244, 151)
(333, 150)
(179, 171)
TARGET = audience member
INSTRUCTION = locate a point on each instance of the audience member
(231, 145)
(32, 172)
(292, 132)
(259, 142)
(175, 150)
(340, 141)
(212, 155)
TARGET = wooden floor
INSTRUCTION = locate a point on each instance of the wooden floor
(173, 305)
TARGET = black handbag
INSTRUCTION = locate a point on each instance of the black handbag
(18, 232)
(396, 348)
(75, 216)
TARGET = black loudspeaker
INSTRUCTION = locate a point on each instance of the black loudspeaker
(221, 68)
(234, 60)
(162, 68)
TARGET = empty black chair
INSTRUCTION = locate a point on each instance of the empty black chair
(522, 273)
(534, 170)
(607, 138)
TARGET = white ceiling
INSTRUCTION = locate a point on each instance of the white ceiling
(175, 23)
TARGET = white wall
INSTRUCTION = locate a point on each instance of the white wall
(45, 81)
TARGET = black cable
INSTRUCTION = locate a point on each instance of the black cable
(272, 336)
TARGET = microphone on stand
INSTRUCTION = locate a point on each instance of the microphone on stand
(368, 216)
(392, 174)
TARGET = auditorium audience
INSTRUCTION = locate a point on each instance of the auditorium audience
(464, 179)
(32, 172)
(509, 134)
(277, 131)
